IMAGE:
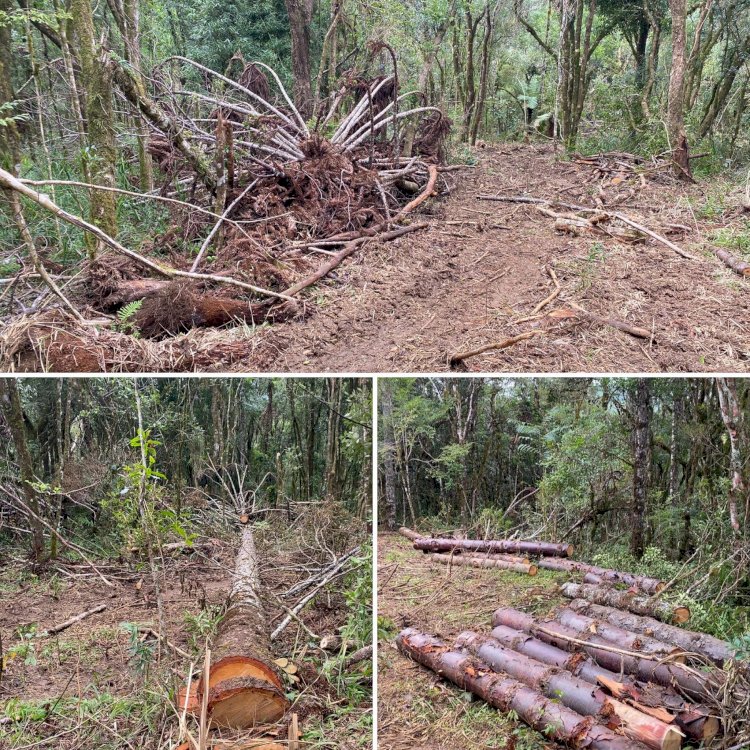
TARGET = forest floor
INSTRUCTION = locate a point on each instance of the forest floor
(465, 281)
(415, 708)
(88, 686)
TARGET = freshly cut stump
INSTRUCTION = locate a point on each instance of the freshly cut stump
(244, 687)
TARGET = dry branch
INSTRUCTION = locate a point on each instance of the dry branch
(73, 620)
(454, 359)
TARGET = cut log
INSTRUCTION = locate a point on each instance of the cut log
(716, 650)
(490, 545)
(572, 692)
(626, 600)
(485, 562)
(360, 655)
(555, 721)
(645, 584)
(507, 558)
(593, 579)
(738, 265)
(606, 655)
(694, 720)
(244, 688)
(409, 534)
(620, 637)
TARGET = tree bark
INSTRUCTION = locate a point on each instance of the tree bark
(602, 651)
(732, 416)
(645, 584)
(572, 692)
(626, 600)
(641, 464)
(300, 18)
(485, 562)
(712, 648)
(676, 98)
(9, 138)
(695, 720)
(244, 688)
(388, 450)
(13, 412)
(548, 716)
(490, 545)
(409, 534)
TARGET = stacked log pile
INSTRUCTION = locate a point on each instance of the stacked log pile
(608, 670)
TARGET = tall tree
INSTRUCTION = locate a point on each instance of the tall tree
(641, 405)
(388, 451)
(676, 100)
(732, 416)
(300, 18)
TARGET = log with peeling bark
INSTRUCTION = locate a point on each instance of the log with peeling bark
(737, 265)
(716, 650)
(626, 600)
(619, 636)
(572, 692)
(493, 545)
(507, 558)
(485, 562)
(606, 654)
(644, 583)
(244, 687)
(694, 720)
(409, 533)
(557, 722)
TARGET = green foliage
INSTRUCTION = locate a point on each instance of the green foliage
(141, 652)
(125, 318)
(202, 625)
(6, 108)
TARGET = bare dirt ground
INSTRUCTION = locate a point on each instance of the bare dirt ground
(94, 662)
(415, 708)
(465, 281)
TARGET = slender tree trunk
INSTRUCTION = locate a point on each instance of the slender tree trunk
(10, 155)
(641, 441)
(732, 415)
(484, 74)
(676, 101)
(13, 412)
(300, 18)
(388, 453)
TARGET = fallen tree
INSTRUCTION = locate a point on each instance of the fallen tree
(648, 669)
(572, 692)
(490, 545)
(243, 685)
(626, 600)
(409, 534)
(716, 650)
(694, 720)
(485, 562)
(644, 583)
(543, 714)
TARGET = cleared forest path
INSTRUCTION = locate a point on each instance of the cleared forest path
(481, 266)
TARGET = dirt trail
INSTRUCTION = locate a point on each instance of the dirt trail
(462, 283)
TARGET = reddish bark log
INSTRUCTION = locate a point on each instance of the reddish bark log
(490, 545)
(645, 584)
(577, 694)
(555, 721)
(600, 650)
(485, 562)
(620, 637)
(712, 648)
(694, 720)
(626, 600)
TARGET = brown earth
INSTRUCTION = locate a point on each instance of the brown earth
(415, 708)
(404, 306)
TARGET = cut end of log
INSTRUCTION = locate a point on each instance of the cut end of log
(711, 727)
(672, 739)
(244, 518)
(243, 702)
(240, 666)
(681, 614)
(533, 570)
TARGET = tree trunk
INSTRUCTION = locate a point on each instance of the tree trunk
(243, 684)
(641, 468)
(602, 651)
(571, 691)
(732, 416)
(626, 600)
(485, 562)
(489, 545)
(695, 720)
(13, 412)
(484, 74)
(700, 643)
(300, 18)
(409, 534)
(548, 716)
(10, 156)
(99, 118)
(647, 585)
(676, 99)
(388, 450)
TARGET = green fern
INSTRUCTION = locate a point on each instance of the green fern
(125, 318)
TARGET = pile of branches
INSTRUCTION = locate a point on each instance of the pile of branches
(609, 670)
(257, 195)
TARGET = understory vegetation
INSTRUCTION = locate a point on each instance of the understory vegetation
(642, 475)
(131, 495)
